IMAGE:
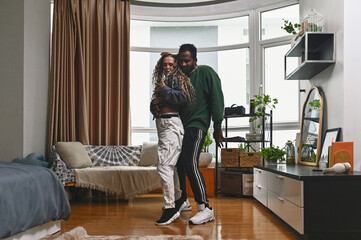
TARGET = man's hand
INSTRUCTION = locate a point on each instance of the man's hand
(155, 106)
(218, 136)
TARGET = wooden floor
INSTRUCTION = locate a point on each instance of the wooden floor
(236, 218)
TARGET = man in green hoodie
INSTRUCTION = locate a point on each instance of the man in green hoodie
(196, 120)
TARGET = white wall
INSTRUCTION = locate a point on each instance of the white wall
(24, 61)
(352, 78)
(331, 80)
(36, 74)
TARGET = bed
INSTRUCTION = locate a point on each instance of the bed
(32, 201)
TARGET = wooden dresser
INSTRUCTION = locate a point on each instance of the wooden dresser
(208, 175)
(312, 204)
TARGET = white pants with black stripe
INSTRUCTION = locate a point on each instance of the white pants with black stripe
(170, 137)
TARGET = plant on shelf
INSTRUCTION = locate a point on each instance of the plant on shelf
(272, 154)
(208, 141)
(315, 105)
(205, 157)
(260, 104)
(290, 27)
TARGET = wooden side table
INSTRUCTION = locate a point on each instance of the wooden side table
(208, 175)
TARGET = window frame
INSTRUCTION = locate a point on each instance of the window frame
(256, 57)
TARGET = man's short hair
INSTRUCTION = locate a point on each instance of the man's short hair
(188, 47)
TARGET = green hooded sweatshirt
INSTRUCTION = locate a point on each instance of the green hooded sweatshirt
(209, 101)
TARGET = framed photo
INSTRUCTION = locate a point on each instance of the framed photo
(331, 135)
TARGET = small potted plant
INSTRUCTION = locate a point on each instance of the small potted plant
(260, 104)
(205, 157)
(292, 28)
(273, 154)
(314, 108)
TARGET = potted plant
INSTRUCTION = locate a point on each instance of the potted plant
(205, 157)
(315, 107)
(260, 104)
(272, 154)
(292, 28)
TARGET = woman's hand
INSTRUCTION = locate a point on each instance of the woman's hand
(160, 85)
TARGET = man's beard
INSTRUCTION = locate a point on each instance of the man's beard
(187, 70)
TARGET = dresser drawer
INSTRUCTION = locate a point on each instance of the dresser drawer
(260, 185)
(286, 187)
(289, 212)
(260, 177)
(260, 193)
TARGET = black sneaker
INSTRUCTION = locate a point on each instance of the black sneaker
(168, 216)
(180, 204)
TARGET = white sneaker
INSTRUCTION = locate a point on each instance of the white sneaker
(204, 215)
(187, 207)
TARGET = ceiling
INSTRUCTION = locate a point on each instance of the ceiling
(177, 3)
(180, 10)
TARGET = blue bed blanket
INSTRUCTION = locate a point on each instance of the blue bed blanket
(29, 196)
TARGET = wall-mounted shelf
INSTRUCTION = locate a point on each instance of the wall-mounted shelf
(315, 51)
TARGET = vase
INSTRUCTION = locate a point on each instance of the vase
(271, 161)
(294, 40)
(205, 158)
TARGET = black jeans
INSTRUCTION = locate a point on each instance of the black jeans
(188, 165)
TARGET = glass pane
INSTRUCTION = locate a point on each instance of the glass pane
(285, 91)
(201, 34)
(139, 138)
(141, 89)
(232, 67)
(281, 137)
(271, 21)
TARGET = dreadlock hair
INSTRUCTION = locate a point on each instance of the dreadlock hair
(188, 47)
(184, 81)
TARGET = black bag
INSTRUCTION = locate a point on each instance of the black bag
(234, 110)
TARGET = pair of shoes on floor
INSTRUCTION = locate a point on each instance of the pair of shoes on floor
(204, 215)
(182, 205)
(168, 216)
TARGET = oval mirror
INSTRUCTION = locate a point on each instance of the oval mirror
(311, 128)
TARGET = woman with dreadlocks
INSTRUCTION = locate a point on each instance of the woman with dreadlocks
(173, 89)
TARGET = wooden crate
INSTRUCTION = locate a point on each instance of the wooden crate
(237, 183)
(249, 159)
(230, 157)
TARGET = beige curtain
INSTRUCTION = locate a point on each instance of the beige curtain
(89, 82)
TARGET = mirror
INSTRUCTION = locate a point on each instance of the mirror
(311, 128)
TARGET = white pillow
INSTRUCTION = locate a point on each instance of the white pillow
(73, 154)
(149, 154)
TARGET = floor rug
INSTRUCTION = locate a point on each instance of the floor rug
(79, 233)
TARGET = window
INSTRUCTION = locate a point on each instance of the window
(274, 47)
(272, 20)
(230, 47)
(229, 57)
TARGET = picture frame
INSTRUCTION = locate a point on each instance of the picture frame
(331, 135)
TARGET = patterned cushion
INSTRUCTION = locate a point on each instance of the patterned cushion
(58, 166)
(114, 155)
(100, 156)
